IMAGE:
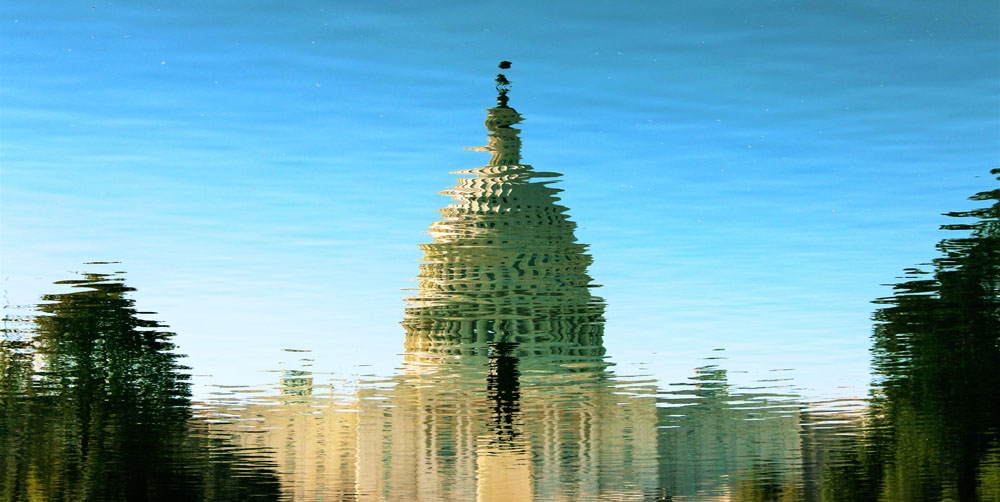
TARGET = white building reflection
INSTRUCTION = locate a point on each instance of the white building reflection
(505, 392)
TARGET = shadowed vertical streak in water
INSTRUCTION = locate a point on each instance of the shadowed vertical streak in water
(503, 390)
(96, 407)
(935, 417)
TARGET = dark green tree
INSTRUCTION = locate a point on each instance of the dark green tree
(97, 407)
(936, 353)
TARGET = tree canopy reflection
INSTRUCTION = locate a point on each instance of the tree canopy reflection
(96, 407)
(934, 427)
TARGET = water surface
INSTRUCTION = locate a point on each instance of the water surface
(748, 181)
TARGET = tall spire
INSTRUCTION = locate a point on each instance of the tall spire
(504, 143)
(503, 85)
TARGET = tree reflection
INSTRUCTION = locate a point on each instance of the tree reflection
(935, 418)
(96, 407)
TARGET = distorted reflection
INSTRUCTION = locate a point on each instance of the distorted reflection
(505, 379)
(505, 391)
(933, 431)
(726, 442)
(96, 407)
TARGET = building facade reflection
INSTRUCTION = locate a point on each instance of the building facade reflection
(505, 391)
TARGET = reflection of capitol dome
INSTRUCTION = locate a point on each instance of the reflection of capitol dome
(504, 353)
(504, 264)
(505, 392)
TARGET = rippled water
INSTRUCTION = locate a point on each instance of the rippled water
(747, 304)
